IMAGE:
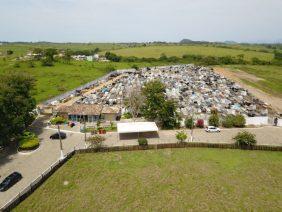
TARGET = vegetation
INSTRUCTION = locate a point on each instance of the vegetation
(189, 123)
(181, 136)
(245, 139)
(169, 180)
(157, 107)
(58, 120)
(234, 121)
(214, 120)
(127, 115)
(28, 141)
(142, 142)
(200, 123)
(134, 101)
(95, 141)
(16, 105)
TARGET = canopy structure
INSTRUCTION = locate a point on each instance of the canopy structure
(137, 127)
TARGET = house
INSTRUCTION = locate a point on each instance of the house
(88, 112)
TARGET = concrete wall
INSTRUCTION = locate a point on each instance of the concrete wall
(259, 120)
(279, 123)
(110, 116)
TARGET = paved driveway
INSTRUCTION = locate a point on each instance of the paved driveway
(32, 165)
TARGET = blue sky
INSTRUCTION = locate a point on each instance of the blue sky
(140, 20)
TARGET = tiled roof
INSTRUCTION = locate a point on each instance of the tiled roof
(84, 109)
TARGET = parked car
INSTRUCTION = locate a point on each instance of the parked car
(56, 135)
(212, 129)
(9, 181)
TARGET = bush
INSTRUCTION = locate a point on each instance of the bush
(228, 121)
(234, 121)
(95, 141)
(127, 115)
(58, 120)
(245, 139)
(189, 123)
(181, 136)
(200, 123)
(28, 141)
(214, 120)
(239, 121)
(142, 142)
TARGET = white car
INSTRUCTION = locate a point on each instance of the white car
(212, 129)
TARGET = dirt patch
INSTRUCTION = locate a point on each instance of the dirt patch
(237, 76)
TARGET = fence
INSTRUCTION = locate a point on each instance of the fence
(48, 172)
(180, 145)
(35, 183)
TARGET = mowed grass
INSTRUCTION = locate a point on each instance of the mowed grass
(179, 51)
(164, 180)
(271, 77)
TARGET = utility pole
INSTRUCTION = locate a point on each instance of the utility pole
(61, 145)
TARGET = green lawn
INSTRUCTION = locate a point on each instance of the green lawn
(164, 180)
(156, 51)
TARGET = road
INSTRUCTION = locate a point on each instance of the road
(33, 164)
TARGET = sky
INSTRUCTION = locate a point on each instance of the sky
(140, 20)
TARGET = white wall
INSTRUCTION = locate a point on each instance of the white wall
(279, 123)
(259, 120)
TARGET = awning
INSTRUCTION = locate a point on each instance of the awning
(135, 127)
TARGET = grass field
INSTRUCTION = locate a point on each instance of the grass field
(61, 77)
(164, 180)
(52, 81)
(271, 77)
(156, 51)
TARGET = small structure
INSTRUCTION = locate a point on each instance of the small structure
(137, 127)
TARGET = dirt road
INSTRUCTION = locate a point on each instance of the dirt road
(274, 102)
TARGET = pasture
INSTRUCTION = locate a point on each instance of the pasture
(164, 180)
(180, 50)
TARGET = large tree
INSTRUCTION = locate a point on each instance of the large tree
(16, 104)
(157, 107)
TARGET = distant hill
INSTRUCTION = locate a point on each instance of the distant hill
(186, 41)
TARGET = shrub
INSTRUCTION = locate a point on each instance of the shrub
(189, 123)
(245, 139)
(95, 141)
(228, 121)
(142, 142)
(200, 123)
(28, 141)
(239, 121)
(214, 120)
(58, 120)
(127, 115)
(181, 136)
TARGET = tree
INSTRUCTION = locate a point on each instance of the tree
(134, 101)
(214, 120)
(16, 104)
(157, 107)
(189, 123)
(239, 121)
(153, 92)
(112, 57)
(49, 53)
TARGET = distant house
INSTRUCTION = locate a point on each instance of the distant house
(88, 113)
